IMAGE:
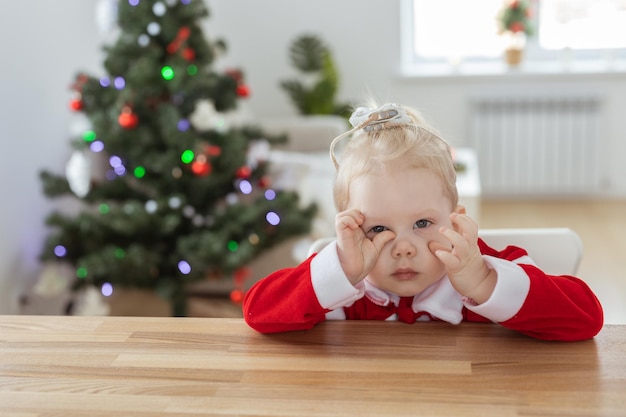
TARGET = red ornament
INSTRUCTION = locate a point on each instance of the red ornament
(181, 36)
(201, 167)
(128, 119)
(244, 172)
(265, 181)
(241, 274)
(77, 104)
(243, 90)
(213, 150)
(236, 296)
(235, 74)
(189, 54)
(81, 80)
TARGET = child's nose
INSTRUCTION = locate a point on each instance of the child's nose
(404, 247)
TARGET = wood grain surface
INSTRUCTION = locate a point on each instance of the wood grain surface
(133, 366)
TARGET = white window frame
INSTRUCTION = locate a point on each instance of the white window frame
(536, 60)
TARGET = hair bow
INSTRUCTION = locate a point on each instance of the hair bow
(376, 119)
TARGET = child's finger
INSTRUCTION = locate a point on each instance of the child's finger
(464, 225)
(453, 236)
(434, 246)
(381, 239)
(351, 219)
(451, 261)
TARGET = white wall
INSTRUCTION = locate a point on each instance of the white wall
(43, 46)
(45, 43)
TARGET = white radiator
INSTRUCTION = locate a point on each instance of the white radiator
(537, 146)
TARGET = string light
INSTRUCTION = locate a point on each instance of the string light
(183, 125)
(233, 246)
(184, 267)
(187, 156)
(89, 136)
(119, 83)
(81, 272)
(105, 82)
(177, 172)
(192, 69)
(272, 218)
(60, 251)
(96, 146)
(270, 194)
(104, 208)
(167, 73)
(115, 161)
(107, 289)
(245, 187)
(139, 172)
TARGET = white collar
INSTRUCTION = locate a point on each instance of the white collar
(440, 300)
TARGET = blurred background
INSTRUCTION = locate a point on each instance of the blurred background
(580, 184)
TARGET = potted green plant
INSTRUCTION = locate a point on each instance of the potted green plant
(316, 91)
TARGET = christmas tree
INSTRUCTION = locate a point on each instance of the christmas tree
(183, 195)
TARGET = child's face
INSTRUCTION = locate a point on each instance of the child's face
(411, 203)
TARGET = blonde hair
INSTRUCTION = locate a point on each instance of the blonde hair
(414, 142)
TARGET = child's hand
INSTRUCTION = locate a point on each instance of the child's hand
(466, 268)
(357, 254)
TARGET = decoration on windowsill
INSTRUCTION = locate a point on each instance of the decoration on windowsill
(515, 27)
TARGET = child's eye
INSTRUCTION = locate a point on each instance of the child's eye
(420, 224)
(378, 229)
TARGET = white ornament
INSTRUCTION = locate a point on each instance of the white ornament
(78, 173)
(54, 279)
(79, 125)
(231, 199)
(106, 16)
(258, 151)
(174, 202)
(153, 28)
(241, 116)
(151, 206)
(91, 303)
(204, 116)
(143, 40)
(158, 9)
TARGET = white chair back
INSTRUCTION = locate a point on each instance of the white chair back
(556, 250)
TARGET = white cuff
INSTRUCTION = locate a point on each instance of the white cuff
(332, 287)
(509, 294)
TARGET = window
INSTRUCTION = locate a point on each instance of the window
(457, 34)
(582, 24)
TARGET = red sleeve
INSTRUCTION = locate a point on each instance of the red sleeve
(558, 307)
(283, 301)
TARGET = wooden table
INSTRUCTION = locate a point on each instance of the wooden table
(115, 366)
